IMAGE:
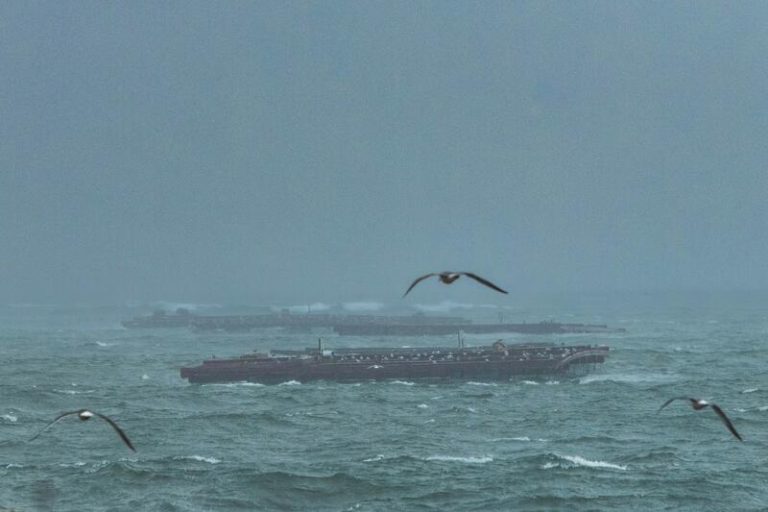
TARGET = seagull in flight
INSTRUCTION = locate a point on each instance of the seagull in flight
(449, 277)
(85, 415)
(699, 404)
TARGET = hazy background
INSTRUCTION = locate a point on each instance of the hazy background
(328, 151)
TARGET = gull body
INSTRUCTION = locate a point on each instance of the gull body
(85, 415)
(699, 404)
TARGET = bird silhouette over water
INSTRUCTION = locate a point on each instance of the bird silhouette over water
(85, 415)
(699, 404)
(450, 277)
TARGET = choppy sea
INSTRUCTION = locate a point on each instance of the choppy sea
(588, 443)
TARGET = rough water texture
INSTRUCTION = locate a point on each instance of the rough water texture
(594, 443)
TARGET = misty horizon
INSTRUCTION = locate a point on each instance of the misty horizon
(288, 153)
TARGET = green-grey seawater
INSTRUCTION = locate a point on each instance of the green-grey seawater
(592, 443)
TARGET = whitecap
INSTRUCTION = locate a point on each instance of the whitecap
(72, 464)
(102, 344)
(403, 382)
(145, 377)
(582, 462)
(531, 382)
(466, 460)
(629, 378)
(290, 383)
(377, 458)
(199, 458)
(472, 383)
(74, 392)
(239, 384)
(10, 417)
(763, 408)
(552, 382)
(422, 406)
(751, 390)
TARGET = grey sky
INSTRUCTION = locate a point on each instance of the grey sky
(302, 151)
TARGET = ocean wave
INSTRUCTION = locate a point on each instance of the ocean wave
(467, 460)
(422, 406)
(522, 439)
(530, 383)
(290, 383)
(403, 382)
(104, 344)
(473, 383)
(243, 383)
(751, 390)
(578, 461)
(198, 458)
(74, 391)
(10, 417)
(629, 378)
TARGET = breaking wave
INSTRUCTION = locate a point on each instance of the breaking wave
(466, 460)
(570, 461)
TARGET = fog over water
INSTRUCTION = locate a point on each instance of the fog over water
(308, 152)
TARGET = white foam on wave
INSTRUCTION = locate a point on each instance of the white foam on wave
(74, 392)
(582, 462)
(290, 383)
(72, 464)
(145, 377)
(377, 458)
(491, 384)
(422, 406)
(199, 458)
(763, 408)
(522, 439)
(104, 344)
(403, 382)
(240, 384)
(751, 390)
(10, 417)
(552, 382)
(530, 383)
(467, 460)
(629, 378)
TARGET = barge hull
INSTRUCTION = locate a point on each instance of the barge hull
(478, 365)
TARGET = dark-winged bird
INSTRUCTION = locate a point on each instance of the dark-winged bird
(449, 277)
(699, 404)
(85, 415)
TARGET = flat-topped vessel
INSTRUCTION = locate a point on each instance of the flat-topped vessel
(492, 362)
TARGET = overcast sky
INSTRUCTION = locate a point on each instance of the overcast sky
(329, 151)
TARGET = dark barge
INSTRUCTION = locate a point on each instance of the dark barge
(494, 362)
(427, 329)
